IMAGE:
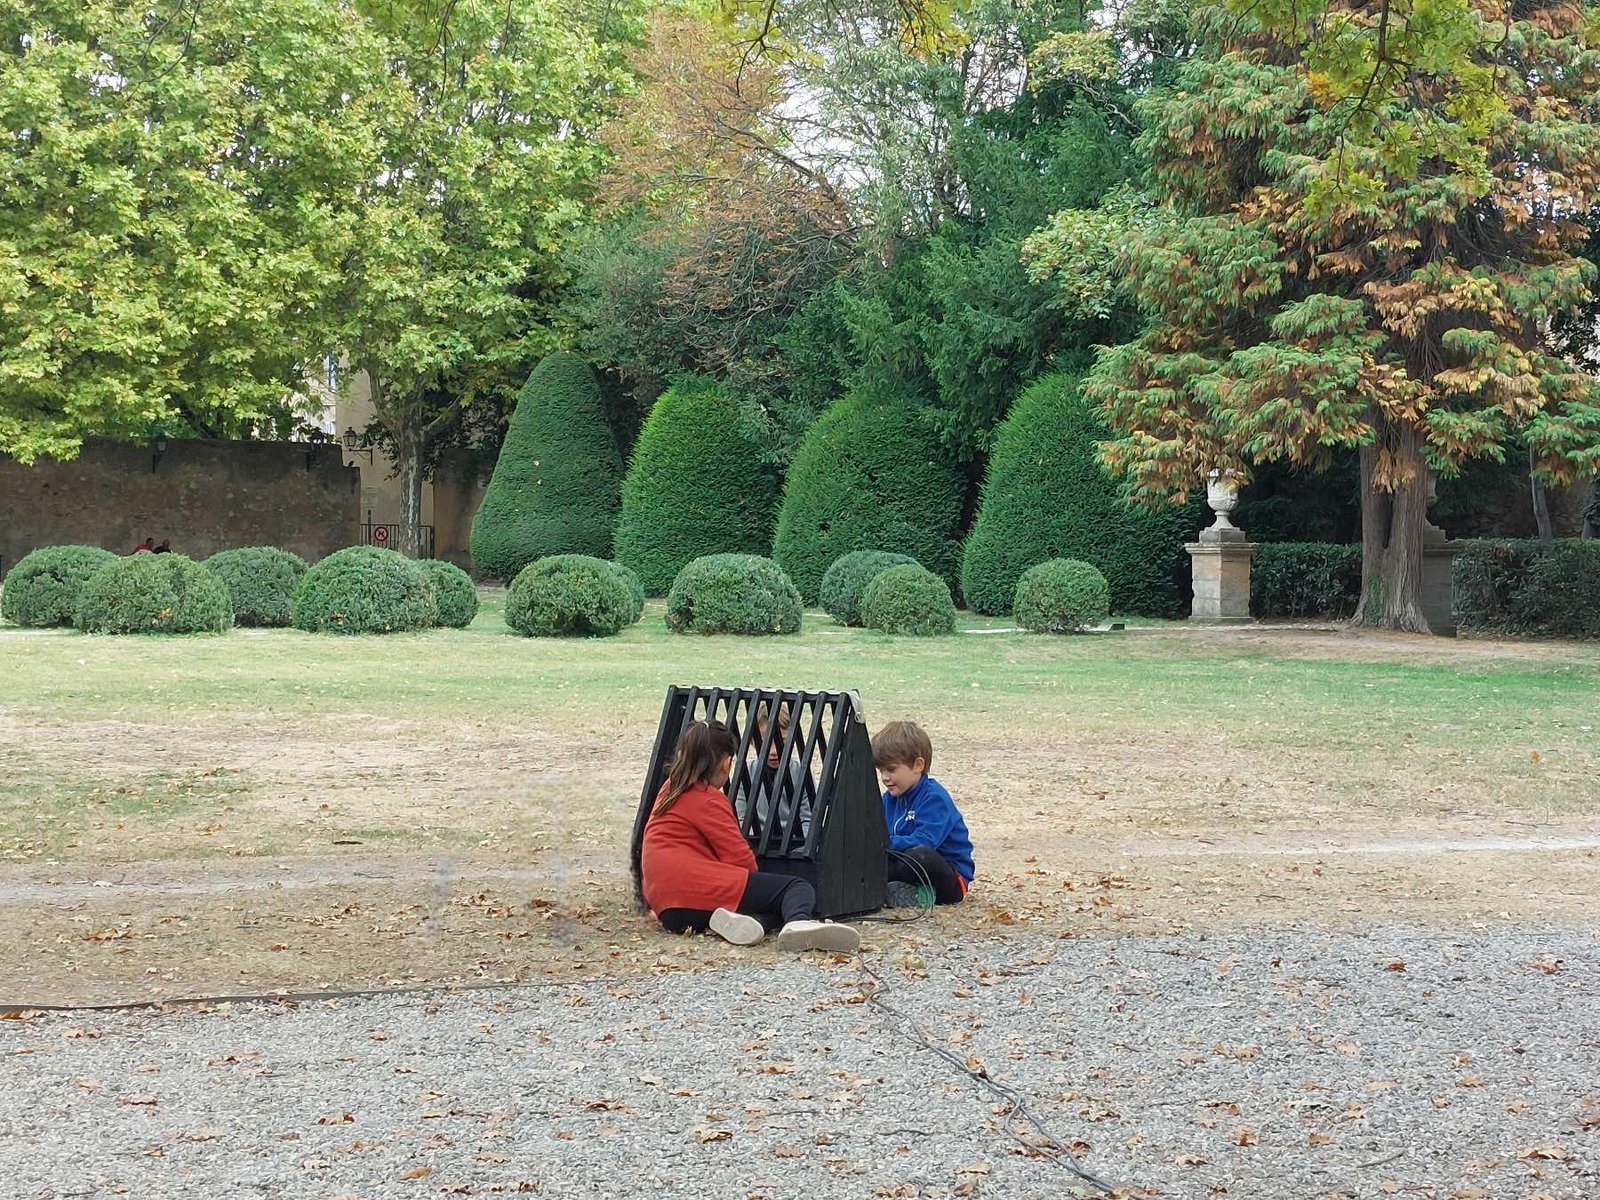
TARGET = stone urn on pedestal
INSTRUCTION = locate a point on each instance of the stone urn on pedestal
(1221, 557)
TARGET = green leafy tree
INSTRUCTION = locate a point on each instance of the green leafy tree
(555, 487)
(696, 486)
(485, 154)
(1361, 232)
(180, 185)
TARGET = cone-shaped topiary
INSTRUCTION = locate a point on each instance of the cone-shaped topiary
(733, 593)
(870, 474)
(42, 589)
(842, 585)
(569, 595)
(453, 593)
(154, 593)
(908, 599)
(261, 581)
(555, 488)
(365, 589)
(1061, 596)
(1046, 497)
(695, 486)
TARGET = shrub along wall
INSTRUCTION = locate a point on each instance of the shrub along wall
(1526, 586)
(870, 474)
(695, 486)
(556, 486)
(1305, 579)
(1046, 497)
(261, 581)
(42, 590)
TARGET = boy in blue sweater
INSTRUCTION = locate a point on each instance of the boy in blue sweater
(928, 840)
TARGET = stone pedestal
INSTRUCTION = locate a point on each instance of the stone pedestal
(1221, 558)
(1221, 579)
(1438, 572)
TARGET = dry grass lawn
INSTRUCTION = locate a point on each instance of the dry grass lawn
(273, 810)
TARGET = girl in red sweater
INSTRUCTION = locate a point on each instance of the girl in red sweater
(696, 871)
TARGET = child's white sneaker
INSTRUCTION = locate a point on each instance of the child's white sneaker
(738, 928)
(819, 935)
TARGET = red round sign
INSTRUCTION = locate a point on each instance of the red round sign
(380, 534)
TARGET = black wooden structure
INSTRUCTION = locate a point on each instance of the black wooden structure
(818, 814)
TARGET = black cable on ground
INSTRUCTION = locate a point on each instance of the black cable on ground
(873, 988)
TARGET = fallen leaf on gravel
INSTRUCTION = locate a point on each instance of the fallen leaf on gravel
(651, 1080)
(1469, 1193)
(455, 1189)
(1243, 1136)
(1589, 1121)
(1547, 964)
(1557, 1153)
(703, 1135)
(786, 1152)
(491, 1156)
(974, 1168)
(335, 1119)
(967, 1188)
(417, 1173)
(1516, 1106)
(1347, 1047)
(140, 1099)
(1389, 1186)
(1469, 1081)
(1320, 1139)
(1190, 1160)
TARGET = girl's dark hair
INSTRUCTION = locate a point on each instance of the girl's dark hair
(702, 746)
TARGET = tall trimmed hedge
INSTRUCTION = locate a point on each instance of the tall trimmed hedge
(42, 589)
(870, 474)
(556, 486)
(1046, 497)
(696, 486)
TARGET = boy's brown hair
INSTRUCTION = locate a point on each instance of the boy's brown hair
(900, 744)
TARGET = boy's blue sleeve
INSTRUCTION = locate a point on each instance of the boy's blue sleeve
(936, 817)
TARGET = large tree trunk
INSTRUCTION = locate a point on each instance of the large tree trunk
(1541, 502)
(1392, 525)
(410, 450)
(1591, 511)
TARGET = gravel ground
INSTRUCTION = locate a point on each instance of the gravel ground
(1265, 1065)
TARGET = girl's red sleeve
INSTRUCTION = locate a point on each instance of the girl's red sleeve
(721, 829)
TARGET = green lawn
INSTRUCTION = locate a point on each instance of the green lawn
(280, 742)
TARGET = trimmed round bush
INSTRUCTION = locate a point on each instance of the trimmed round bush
(635, 589)
(696, 486)
(365, 589)
(453, 593)
(870, 474)
(1046, 497)
(733, 593)
(1061, 596)
(569, 595)
(261, 581)
(557, 482)
(844, 582)
(154, 593)
(908, 599)
(42, 590)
